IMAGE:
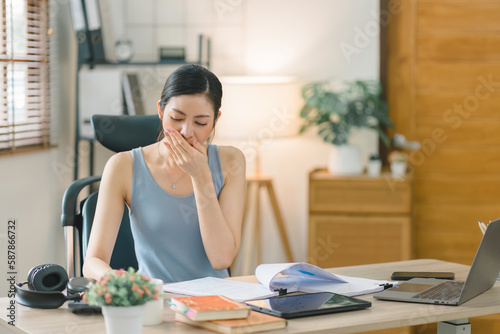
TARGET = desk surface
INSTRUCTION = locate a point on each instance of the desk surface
(382, 314)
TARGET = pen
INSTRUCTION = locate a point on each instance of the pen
(306, 272)
(482, 226)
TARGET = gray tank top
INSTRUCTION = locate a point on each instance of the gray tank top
(165, 227)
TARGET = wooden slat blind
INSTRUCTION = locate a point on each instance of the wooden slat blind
(24, 74)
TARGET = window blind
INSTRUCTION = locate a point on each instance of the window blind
(24, 74)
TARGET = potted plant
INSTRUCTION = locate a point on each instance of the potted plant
(122, 295)
(337, 112)
(397, 161)
(374, 165)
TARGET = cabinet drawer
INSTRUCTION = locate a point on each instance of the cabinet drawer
(362, 195)
(343, 240)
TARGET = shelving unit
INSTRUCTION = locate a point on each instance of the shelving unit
(203, 40)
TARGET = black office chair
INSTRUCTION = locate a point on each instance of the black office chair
(117, 133)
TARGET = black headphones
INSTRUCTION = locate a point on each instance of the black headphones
(45, 285)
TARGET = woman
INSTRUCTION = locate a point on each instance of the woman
(185, 196)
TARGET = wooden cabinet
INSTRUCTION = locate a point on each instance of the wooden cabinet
(359, 220)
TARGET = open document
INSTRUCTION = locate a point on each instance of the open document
(305, 277)
(279, 278)
(236, 290)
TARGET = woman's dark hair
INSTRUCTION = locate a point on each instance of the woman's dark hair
(193, 79)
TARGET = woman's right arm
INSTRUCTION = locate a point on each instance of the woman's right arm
(116, 184)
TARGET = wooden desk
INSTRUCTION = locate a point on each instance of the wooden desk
(382, 314)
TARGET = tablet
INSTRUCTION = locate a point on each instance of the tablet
(304, 305)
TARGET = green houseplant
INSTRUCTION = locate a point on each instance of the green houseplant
(122, 295)
(337, 111)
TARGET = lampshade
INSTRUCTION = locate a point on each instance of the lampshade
(259, 108)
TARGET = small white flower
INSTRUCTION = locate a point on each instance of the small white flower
(334, 118)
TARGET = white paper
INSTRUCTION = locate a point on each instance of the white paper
(305, 277)
(354, 286)
(292, 276)
(299, 276)
(236, 290)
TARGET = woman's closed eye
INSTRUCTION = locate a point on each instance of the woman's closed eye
(181, 119)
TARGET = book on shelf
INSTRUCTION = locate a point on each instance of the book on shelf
(213, 307)
(255, 322)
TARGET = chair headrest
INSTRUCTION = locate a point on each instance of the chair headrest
(123, 133)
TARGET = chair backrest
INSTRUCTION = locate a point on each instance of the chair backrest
(124, 251)
(117, 133)
(123, 133)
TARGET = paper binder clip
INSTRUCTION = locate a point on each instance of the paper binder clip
(386, 285)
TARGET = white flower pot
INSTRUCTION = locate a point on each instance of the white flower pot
(345, 160)
(123, 319)
(398, 169)
(153, 313)
(374, 168)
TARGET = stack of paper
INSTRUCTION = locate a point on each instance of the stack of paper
(287, 277)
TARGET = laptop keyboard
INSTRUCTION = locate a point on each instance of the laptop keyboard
(445, 291)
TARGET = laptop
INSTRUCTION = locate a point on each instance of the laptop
(482, 276)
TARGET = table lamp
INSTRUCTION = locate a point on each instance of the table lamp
(256, 110)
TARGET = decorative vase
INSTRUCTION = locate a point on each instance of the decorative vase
(345, 160)
(398, 169)
(123, 319)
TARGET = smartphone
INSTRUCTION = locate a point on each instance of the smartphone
(83, 308)
(406, 275)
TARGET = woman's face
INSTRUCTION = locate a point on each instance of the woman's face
(191, 115)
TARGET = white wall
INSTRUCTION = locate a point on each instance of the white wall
(32, 184)
(311, 40)
(267, 37)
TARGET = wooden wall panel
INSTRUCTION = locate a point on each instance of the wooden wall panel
(457, 161)
(463, 47)
(463, 132)
(455, 63)
(449, 189)
(449, 75)
(446, 217)
(437, 103)
(454, 17)
(400, 88)
(450, 231)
